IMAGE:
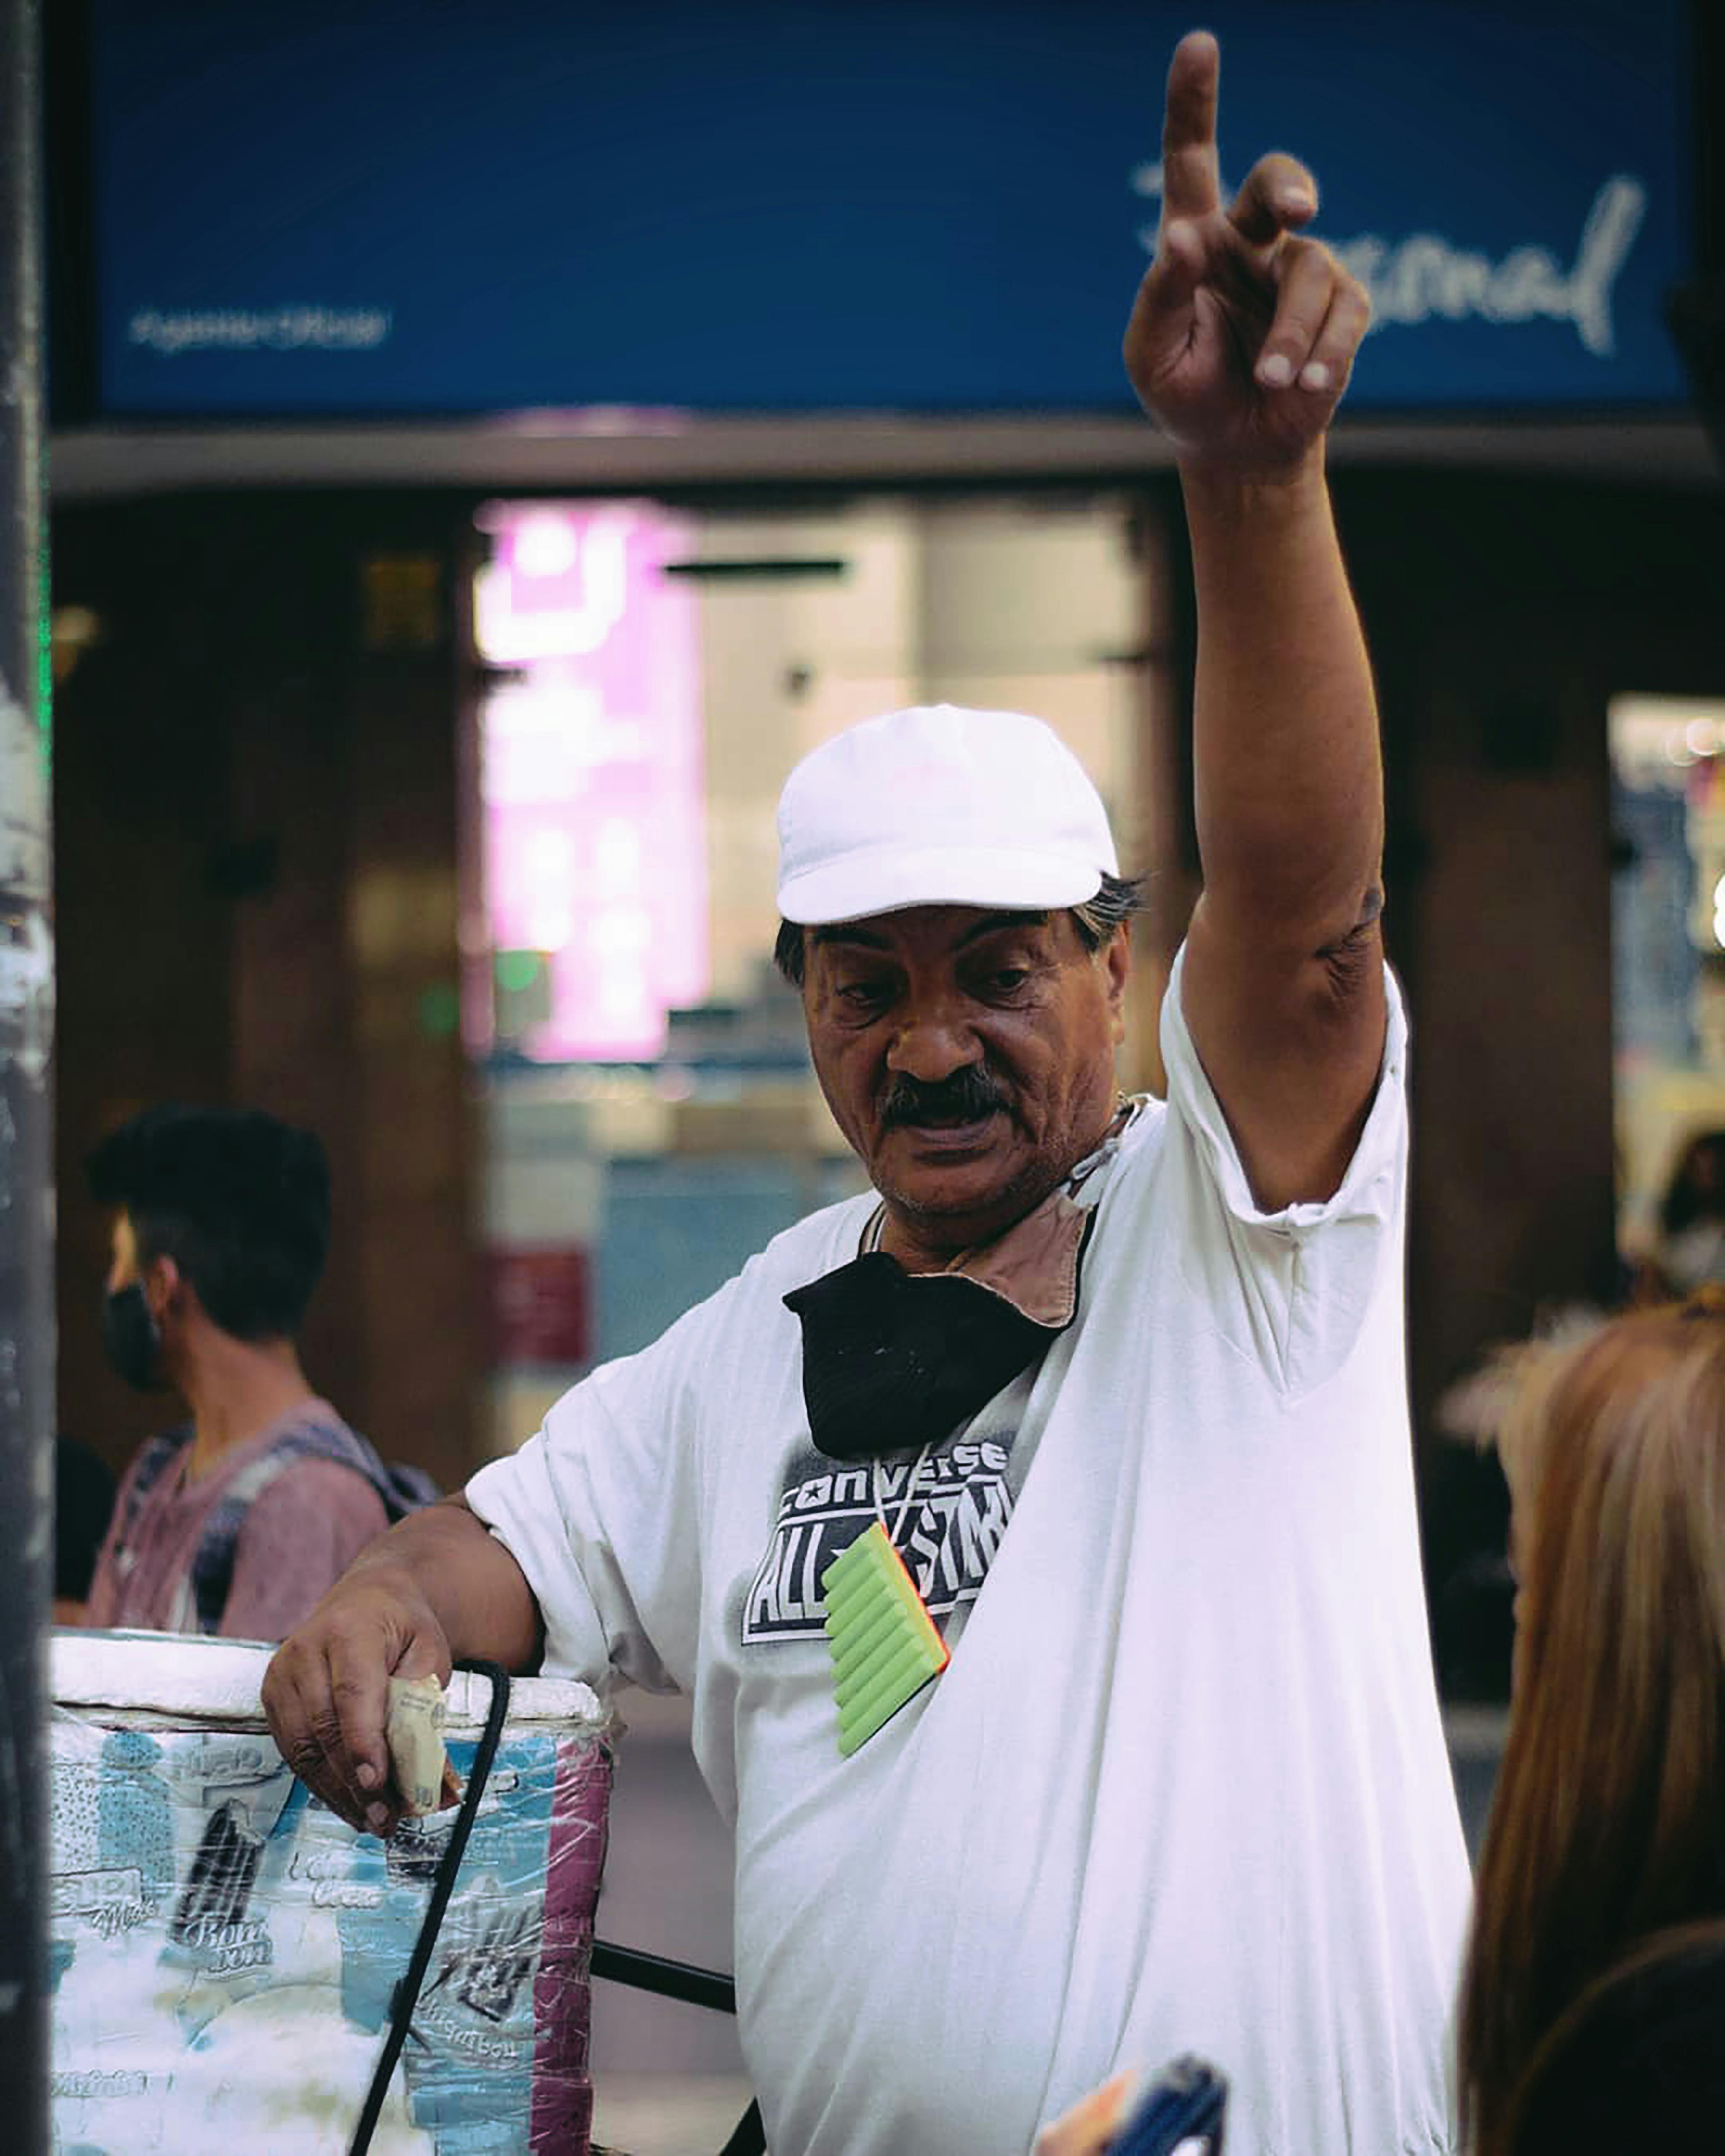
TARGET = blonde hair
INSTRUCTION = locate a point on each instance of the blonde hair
(1609, 1821)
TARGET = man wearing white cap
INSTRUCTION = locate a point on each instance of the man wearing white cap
(1150, 1758)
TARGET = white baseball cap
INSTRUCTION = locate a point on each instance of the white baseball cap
(939, 805)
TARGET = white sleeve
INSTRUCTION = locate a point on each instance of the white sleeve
(1298, 1280)
(601, 1509)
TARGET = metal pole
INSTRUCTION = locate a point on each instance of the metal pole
(25, 1020)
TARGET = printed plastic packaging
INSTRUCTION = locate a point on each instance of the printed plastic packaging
(224, 1950)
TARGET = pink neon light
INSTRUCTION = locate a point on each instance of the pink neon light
(593, 780)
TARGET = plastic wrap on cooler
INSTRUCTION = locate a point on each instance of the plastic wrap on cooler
(224, 1950)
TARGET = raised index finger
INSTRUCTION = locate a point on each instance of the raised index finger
(1191, 183)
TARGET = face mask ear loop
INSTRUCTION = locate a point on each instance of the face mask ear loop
(870, 1241)
(145, 1268)
(896, 1529)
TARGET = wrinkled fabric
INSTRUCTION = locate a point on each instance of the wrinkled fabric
(1183, 1785)
(297, 1537)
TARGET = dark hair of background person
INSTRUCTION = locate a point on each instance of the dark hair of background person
(1697, 1189)
(1637, 2062)
(1608, 1825)
(239, 1200)
(1117, 898)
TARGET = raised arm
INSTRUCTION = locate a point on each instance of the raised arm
(437, 1588)
(1240, 345)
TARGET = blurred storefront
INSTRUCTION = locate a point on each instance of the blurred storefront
(457, 536)
(1668, 977)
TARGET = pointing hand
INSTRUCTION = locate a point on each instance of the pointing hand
(1243, 331)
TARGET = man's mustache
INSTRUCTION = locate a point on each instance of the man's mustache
(966, 1097)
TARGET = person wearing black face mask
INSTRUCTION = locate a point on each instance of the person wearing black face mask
(238, 1520)
(132, 1339)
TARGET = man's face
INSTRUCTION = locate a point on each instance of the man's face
(122, 1254)
(159, 1279)
(134, 1309)
(968, 1058)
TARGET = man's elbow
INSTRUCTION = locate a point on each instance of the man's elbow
(1353, 957)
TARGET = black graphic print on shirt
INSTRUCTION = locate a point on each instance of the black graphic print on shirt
(948, 1532)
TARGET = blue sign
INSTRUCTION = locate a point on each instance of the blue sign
(395, 207)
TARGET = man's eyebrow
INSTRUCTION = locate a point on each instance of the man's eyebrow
(991, 924)
(868, 939)
(847, 932)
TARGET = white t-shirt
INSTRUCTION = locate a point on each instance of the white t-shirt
(1183, 1785)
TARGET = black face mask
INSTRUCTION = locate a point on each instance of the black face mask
(130, 1339)
(892, 1360)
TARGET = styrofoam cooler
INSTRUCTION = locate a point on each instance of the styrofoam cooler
(224, 1949)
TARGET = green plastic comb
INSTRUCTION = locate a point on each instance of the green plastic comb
(884, 1644)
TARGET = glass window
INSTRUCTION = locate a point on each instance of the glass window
(1668, 985)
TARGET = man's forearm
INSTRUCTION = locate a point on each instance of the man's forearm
(471, 1584)
(1289, 780)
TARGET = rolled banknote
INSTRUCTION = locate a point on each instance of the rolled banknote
(414, 1731)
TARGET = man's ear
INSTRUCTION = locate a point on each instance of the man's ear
(165, 1288)
(1116, 955)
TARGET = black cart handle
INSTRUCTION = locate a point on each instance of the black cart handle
(406, 1996)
